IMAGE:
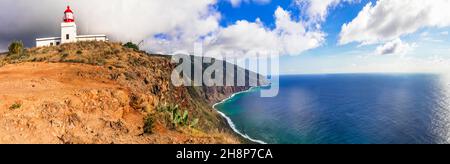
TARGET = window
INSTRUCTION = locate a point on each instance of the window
(51, 44)
(57, 43)
(69, 15)
(67, 36)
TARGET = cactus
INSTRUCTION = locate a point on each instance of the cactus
(185, 118)
(177, 116)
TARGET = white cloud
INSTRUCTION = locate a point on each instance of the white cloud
(390, 19)
(294, 35)
(165, 26)
(394, 47)
(317, 10)
(289, 37)
(122, 20)
(242, 37)
(444, 33)
(236, 3)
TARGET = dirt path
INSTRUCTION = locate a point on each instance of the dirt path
(47, 80)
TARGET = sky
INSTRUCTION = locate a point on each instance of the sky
(311, 36)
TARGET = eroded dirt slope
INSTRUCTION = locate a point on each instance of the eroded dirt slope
(75, 103)
(97, 92)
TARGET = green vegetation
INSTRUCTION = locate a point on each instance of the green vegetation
(165, 108)
(99, 60)
(64, 56)
(148, 124)
(132, 46)
(178, 117)
(16, 51)
(174, 118)
(16, 48)
(15, 106)
(93, 53)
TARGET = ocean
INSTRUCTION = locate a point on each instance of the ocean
(346, 109)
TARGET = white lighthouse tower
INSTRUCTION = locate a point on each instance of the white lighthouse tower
(68, 27)
(68, 33)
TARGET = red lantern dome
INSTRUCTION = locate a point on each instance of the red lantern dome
(68, 15)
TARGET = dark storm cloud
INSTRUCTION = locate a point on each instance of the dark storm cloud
(121, 20)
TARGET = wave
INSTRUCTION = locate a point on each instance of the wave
(231, 123)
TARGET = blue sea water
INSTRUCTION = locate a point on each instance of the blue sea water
(347, 108)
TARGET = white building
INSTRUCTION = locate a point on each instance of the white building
(68, 33)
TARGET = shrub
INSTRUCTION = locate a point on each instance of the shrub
(96, 60)
(63, 56)
(135, 61)
(79, 52)
(16, 48)
(15, 106)
(148, 124)
(17, 51)
(132, 46)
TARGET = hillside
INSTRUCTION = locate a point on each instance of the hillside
(97, 92)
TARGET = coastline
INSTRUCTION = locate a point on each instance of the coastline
(230, 122)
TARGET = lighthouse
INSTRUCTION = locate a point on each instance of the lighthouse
(68, 33)
(68, 27)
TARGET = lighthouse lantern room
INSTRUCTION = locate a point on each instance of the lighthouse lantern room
(68, 15)
(68, 33)
(68, 27)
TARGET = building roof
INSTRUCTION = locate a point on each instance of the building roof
(51, 38)
(68, 10)
(90, 36)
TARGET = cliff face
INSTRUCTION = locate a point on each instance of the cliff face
(97, 92)
(216, 94)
